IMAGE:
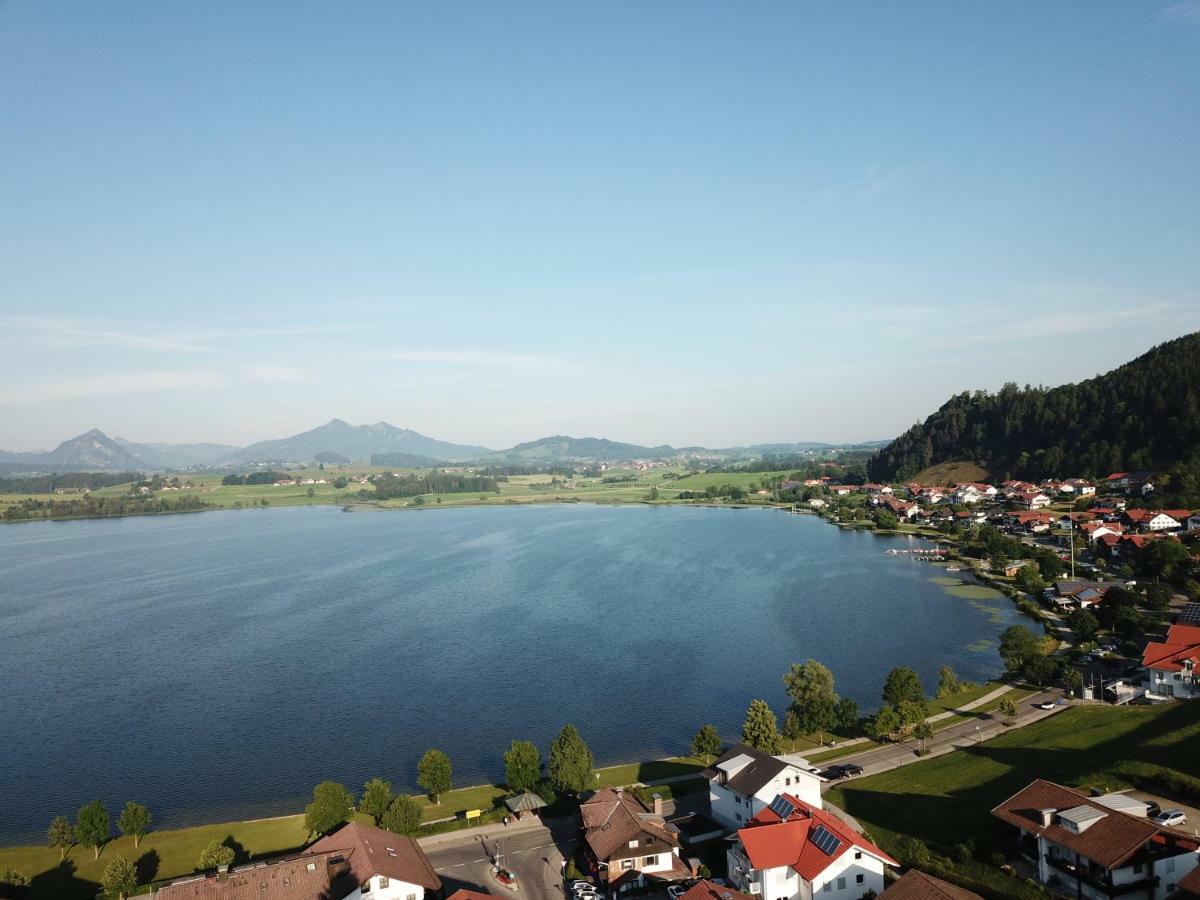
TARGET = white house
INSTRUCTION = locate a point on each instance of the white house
(794, 851)
(744, 781)
(1085, 849)
(1173, 666)
(1193, 522)
(356, 862)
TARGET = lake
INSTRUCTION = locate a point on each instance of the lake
(218, 665)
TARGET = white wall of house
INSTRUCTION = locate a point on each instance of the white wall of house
(846, 878)
(382, 888)
(1180, 685)
(734, 810)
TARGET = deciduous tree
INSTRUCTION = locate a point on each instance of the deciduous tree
(522, 766)
(214, 855)
(706, 745)
(947, 682)
(376, 798)
(332, 806)
(61, 835)
(120, 877)
(93, 827)
(403, 816)
(134, 822)
(434, 774)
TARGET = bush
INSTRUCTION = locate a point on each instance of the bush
(997, 858)
(963, 853)
(913, 852)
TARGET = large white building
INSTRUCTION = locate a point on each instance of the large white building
(744, 781)
(1084, 848)
(1173, 667)
(794, 851)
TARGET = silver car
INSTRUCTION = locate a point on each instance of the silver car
(1171, 818)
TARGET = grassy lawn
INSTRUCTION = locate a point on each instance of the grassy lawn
(946, 800)
(648, 772)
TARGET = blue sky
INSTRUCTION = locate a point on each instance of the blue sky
(694, 223)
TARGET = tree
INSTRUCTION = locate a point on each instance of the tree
(819, 716)
(912, 711)
(403, 816)
(92, 826)
(706, 745)
(1158, 596)
(214, 855)
(810, 685)
(522, 766)
(1029, 579)
(1073, 681)
(947, 683)
(1008, 709)
(1017, 644)
(903, 685)
(120, 877)
(847, 714)
(923, 731)
(332, 806)
(885, 723)
(61, 835)
(571, 761)
(761, 728)
(433, 774)
(376, 798)
(1038, 669)
(1084, 624)
(134, 822)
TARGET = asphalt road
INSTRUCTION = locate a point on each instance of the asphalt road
(975, 729)
(532, 850)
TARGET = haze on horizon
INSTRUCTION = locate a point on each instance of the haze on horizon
(684, 223)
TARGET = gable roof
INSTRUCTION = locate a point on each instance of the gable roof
(771, 842)
(751, 777)
(707, 890)
(916, 885)
(1112, 838)
(1191, 883)
(1182, 643)
(613, 818)
(464, 894)
(295, 878)
(373, 851)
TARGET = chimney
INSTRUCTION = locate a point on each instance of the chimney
(619, 791)
(1047, 817)
(223, 873)
(658, 804)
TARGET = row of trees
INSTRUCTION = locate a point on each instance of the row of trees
(93, 827)
(433, 483)
(91, 506)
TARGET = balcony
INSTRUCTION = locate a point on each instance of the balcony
(1099, 878)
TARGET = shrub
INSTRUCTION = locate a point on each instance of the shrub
(913, 852)
(996, 858)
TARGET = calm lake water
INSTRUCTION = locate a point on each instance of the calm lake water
(219, 665)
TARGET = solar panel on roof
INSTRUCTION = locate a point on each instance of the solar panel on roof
(827, 842)
(782, 807)
(1190, 614)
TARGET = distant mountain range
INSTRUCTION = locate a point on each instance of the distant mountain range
(338, 441)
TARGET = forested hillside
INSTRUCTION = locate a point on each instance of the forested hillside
(1143, 415)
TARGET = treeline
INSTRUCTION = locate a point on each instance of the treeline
(405, 460)
(1143, 415)
(434, 483)
(511, 470)
(65, 481)
(266, 477)
(93, 507)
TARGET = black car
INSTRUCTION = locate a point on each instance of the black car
(841, 771)
(1152, 809)
(851, 769)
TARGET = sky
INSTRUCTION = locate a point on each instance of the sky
(686, 223)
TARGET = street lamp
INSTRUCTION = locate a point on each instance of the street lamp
(978, 735)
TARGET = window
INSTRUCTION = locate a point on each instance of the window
(1137, 868)
(650, 861)
(633, 843)
(626, 864)
(859, 878)
(828, 887)
(383, 882)
(791, 873)
(365, 887)
(858, 854)
(737, 800)
(739, 817)
(787, 782)
(1170, 866)
(842, 883)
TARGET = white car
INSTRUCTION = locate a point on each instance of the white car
(1171, 818)
(675, 891)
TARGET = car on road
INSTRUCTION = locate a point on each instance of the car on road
(842, 770)
(1046, 704)
(675, 891)
(1171, 818)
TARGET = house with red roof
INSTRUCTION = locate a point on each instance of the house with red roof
(795, 851)
(1173, 665)
(1156, 520)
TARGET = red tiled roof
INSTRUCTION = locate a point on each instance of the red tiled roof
(1191, 883)
(707, 890)
(916, 885)
(1112, 841)
(611, 819)
(464, 894)
(373, 851)
(771, 843)
(285, 879)
(1182, 643)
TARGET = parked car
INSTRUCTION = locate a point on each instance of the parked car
(577, 886)
(675, 891)
(1171, 818)
(1152, 809)
(1046, 704)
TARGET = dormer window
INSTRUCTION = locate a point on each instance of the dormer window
(633, 843)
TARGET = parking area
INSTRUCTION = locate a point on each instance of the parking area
(1192, 813)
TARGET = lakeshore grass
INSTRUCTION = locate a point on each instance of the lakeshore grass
(946, 801)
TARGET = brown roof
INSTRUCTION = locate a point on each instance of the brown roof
(707, 890)
(613, 818)
(1111, 841)
(916, 885)
(298, 878)
(373, 851)
(463, 894)
(1191, 883)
